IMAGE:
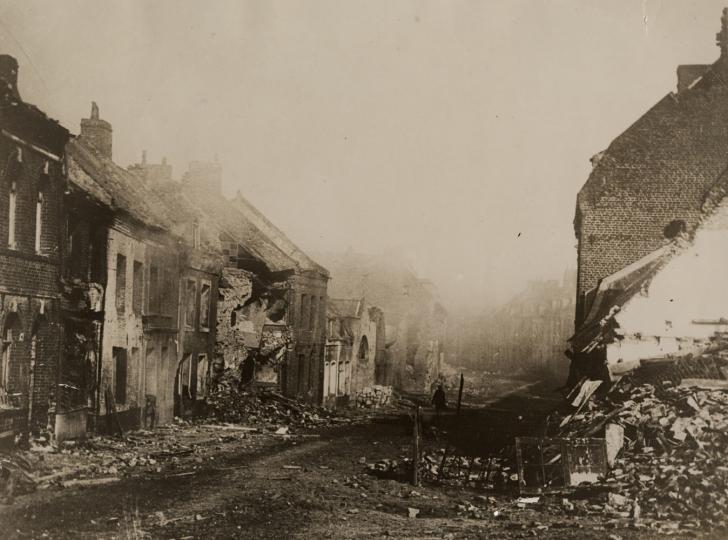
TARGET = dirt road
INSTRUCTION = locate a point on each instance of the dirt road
(311, 487)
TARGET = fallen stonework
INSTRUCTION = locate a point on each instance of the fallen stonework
(666, 443)
(376, 396)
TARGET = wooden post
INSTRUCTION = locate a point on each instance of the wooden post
(460, 393)
(416, 448)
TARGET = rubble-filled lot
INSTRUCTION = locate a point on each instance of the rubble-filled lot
(671, 468)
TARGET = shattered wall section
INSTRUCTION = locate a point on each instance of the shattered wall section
(233, 342)
(252, 340)
(683, 306)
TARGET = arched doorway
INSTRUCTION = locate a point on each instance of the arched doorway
(363, 354)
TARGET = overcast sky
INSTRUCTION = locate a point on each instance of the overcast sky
(459, 132)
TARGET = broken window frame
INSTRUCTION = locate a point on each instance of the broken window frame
(39, 204)
(205, 305)
(568, 463)
(155, 296)
(13, 199)
(190, 302)
(12, 210)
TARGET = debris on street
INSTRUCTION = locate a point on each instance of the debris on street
(376, 396)
(232, 402)
(666, 442)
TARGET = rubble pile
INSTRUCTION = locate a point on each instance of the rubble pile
(229, 402)
(496, 472)
(105, 459)
(672, 460)
(373, 397)
(15, 475)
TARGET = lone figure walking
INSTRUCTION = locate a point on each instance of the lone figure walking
(439, 401)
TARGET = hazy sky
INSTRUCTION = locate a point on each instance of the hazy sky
(446, 129)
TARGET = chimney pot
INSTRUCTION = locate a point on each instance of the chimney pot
(97, 132)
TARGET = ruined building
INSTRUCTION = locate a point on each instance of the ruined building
(32, 223)
(272, 298)
(154, 352)
(111, 279)
(655, 186)
(355, 345)
(416, 321)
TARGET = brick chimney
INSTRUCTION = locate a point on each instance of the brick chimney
(9, 78)
(96, 131)
(152, 172)
(204, 174)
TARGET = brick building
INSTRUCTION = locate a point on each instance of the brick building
(200, 266)
(652, 182)
(160, 292)
(287, 294)
(31, 252)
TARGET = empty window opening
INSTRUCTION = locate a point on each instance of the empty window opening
(11, 214)
(190, 299)
(120, 371)
(363, 353)
(39, 220)
(120, 284)
(155, 298)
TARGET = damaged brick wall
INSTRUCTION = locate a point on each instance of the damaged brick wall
(655, 174)
(252, 337)
(31, 155)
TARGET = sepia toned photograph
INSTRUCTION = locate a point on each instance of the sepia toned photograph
(363, 269)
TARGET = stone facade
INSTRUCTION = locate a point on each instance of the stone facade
(354, 348)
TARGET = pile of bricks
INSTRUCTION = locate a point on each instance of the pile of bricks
(373, 397)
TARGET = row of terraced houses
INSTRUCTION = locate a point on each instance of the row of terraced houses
(113, 282)
(124, 294)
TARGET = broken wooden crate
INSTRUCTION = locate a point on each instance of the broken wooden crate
(552, 464)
